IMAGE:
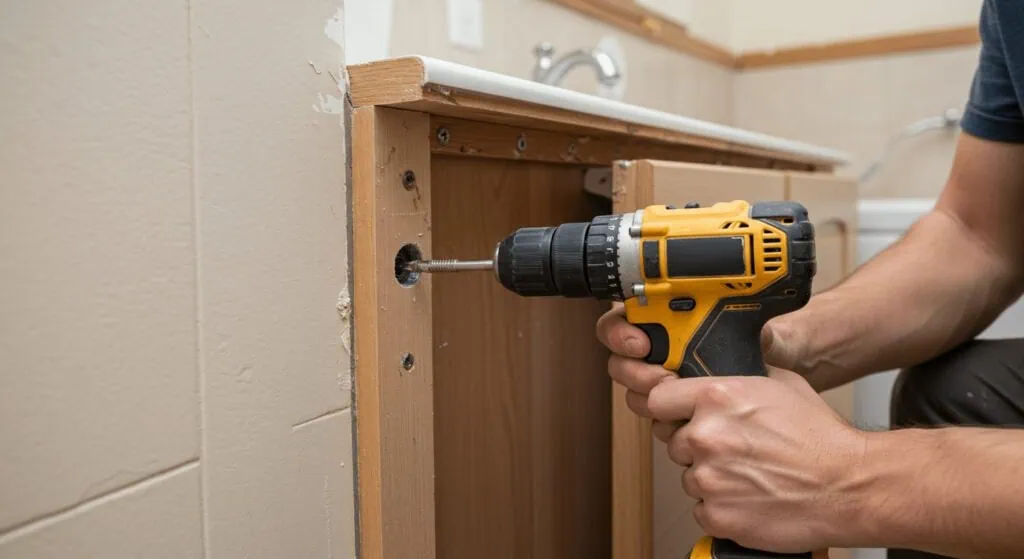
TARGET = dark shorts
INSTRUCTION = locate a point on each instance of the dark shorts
(977, 384)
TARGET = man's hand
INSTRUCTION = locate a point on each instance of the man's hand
(768, 460)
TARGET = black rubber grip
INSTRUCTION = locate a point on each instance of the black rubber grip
(728, 549)
(732, 345)
(658, 336)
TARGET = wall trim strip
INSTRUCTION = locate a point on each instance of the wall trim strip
(636, 19)
(645, 23)
(858, 48)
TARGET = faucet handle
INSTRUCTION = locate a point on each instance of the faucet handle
(544, 50)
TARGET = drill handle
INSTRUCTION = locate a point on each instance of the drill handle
(727, 342)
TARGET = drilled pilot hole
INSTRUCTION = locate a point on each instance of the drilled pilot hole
(521, 143)
(409, 180)
(405, 255)
(408, 361)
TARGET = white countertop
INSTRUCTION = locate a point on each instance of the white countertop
(457, 76)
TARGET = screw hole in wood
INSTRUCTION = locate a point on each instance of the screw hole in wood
(405, 255)
(408, 361)
(409, 180)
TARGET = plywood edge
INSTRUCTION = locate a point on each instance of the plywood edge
(367, 393)
(632, 466)
(652, 26)
(393, 404)
(874, 46)
(387, 82)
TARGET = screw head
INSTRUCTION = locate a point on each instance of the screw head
(408, 361)
(521, 143)
(409, 180)
(443, 136)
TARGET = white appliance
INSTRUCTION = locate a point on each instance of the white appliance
(883, 222)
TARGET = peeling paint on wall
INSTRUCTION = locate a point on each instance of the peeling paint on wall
(334, 29)
(344, 307)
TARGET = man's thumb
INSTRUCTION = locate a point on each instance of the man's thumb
(775, 346)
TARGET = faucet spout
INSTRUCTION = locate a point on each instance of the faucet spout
(551, 72)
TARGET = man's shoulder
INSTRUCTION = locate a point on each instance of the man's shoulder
(994, 109)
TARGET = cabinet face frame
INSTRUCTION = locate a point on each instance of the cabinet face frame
(640, 529)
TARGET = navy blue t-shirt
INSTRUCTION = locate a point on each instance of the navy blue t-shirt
(994, 109)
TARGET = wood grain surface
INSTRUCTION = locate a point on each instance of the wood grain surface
(632, 481)
(395, 450)
(499, 141)
(522, 418)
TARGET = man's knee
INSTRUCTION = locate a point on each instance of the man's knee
(978, 383)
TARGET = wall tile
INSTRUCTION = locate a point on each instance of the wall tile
(156, 519)
(98, 336)
(272, 230)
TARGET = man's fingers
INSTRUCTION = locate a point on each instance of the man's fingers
(620, 336)
(690, 485)
(637, 403)
(664, 431)
(679, 449)
(676, 399)
(635, 374)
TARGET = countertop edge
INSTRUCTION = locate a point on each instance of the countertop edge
(450, 74)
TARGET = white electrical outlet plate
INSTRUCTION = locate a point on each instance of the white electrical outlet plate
(466, 23)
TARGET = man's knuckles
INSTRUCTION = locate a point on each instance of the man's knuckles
(716, 521)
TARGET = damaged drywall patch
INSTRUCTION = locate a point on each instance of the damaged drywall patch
(334, 29)
(344, 307)
(329, 104)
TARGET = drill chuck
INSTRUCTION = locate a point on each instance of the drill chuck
(572, 260)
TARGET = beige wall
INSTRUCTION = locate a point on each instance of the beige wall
(172, 249)
(769, 24)
(857, 105)
(657, 77)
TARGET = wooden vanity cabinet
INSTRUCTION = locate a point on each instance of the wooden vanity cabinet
(486, 425)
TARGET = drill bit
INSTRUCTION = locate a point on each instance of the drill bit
(437, 266)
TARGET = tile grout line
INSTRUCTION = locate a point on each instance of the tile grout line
(321, 417)
(36, 523)
(204, 493)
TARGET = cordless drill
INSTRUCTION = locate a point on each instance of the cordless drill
(700, 282)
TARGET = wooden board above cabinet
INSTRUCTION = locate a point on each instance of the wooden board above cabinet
(634, 18)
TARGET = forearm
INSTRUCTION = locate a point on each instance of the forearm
(954, 491)
(937, 287)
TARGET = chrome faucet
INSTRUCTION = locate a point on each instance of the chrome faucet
(549, 71)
